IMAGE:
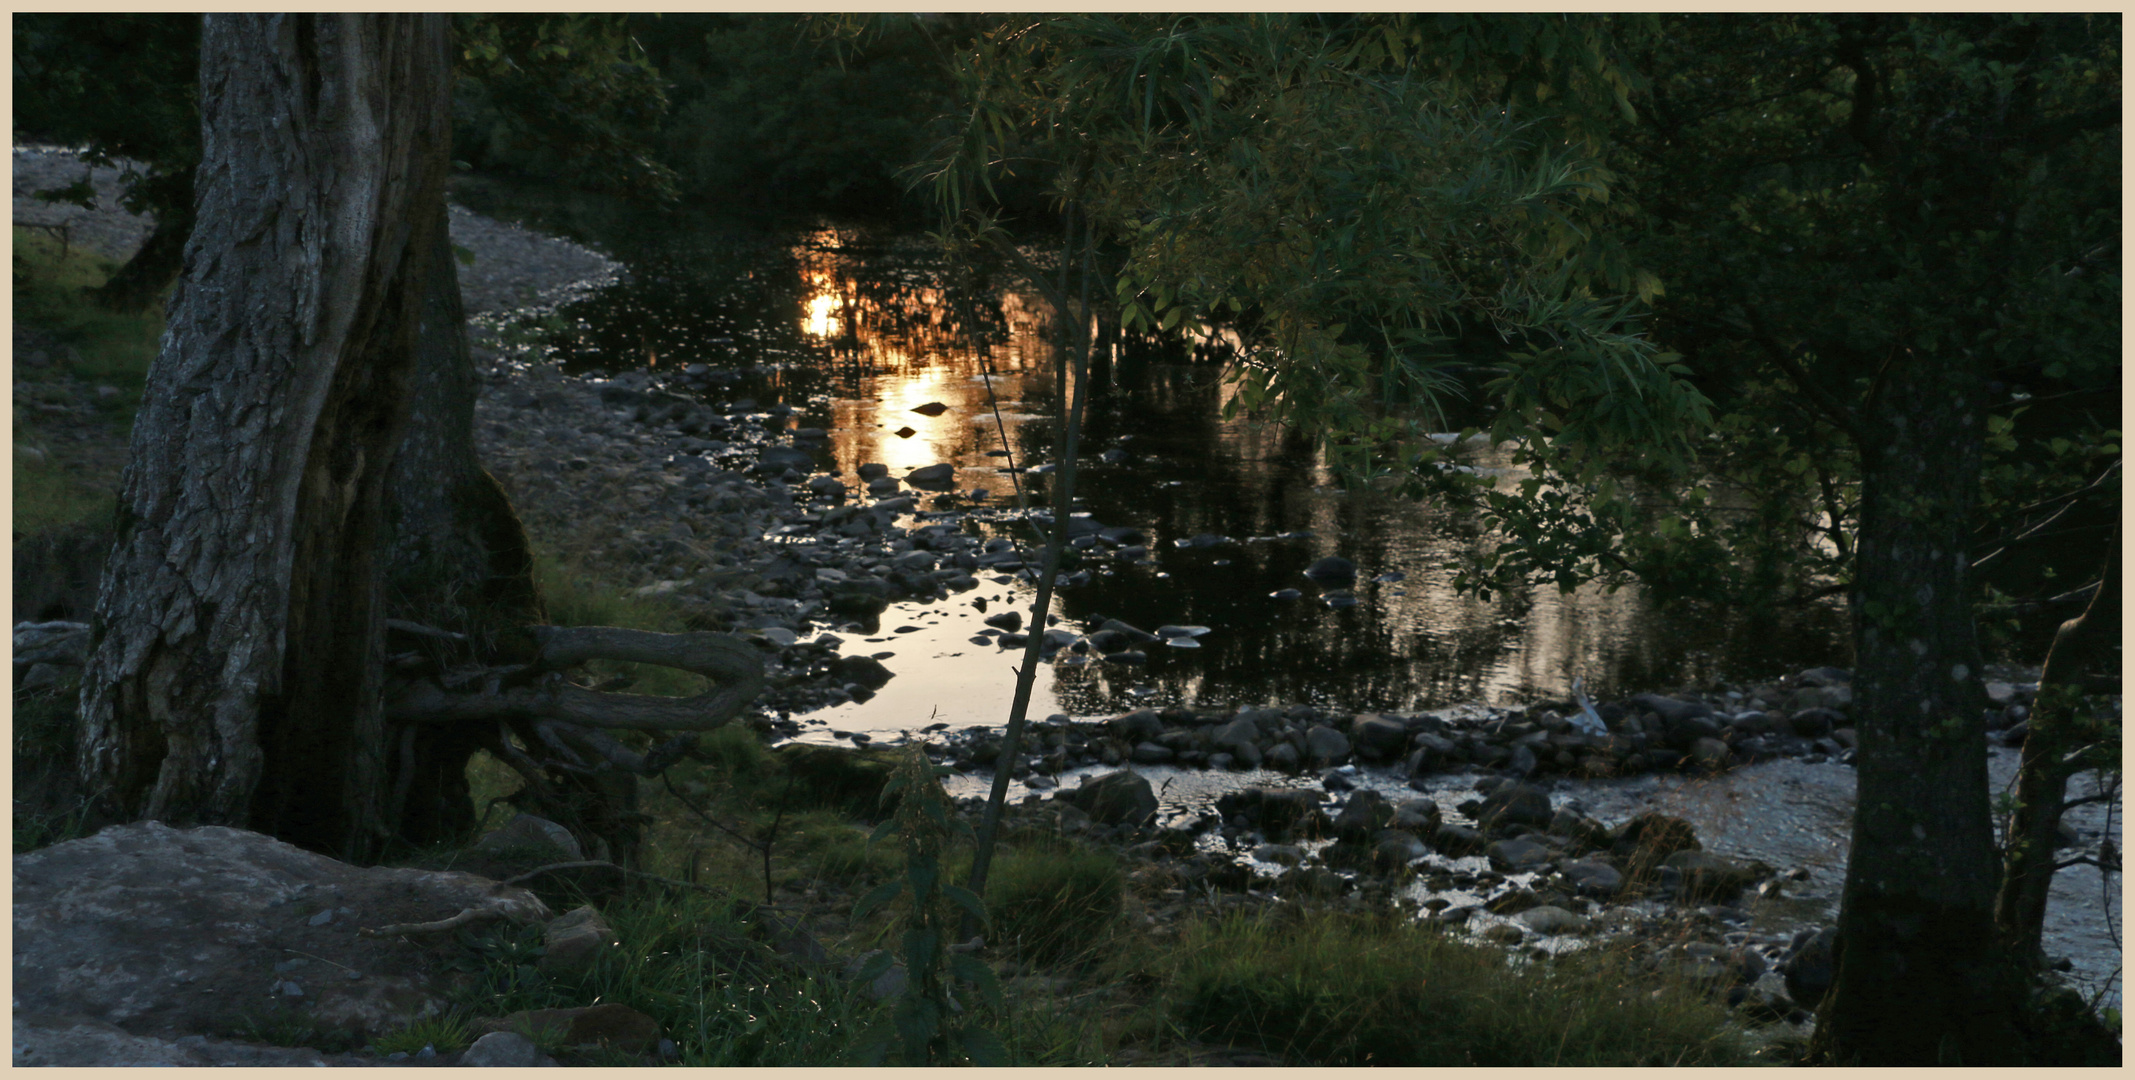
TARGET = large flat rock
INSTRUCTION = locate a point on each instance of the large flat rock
(167, 932)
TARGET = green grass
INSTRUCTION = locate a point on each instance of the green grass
(448, 1034)
(110, 349)
(1053, 903)
(574, 596)
(695, 964)
(1325, 988)
(114, 349)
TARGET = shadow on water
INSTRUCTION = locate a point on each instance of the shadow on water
(862, 334)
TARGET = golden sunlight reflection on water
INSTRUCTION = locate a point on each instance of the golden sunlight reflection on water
(1416, 642)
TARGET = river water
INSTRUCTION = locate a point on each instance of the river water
(862, 334)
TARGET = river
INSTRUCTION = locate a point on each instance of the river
(860, 334)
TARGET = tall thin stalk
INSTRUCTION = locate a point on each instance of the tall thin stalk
(1063, 503)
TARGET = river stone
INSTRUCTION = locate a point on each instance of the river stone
(1284, 854)
(1419, 816)
(610, 1025)
(1593, 878)
(1379, 738)
(1010, 621)
(1277, 810)
(1432, 752)
(1332, 570)
(1283, 756)
(1240, 738)
(1397, 848)
(1814, 723)
(1709, 876)
(1151, 753)
(931, 476)
(504, 1050)
(1113, 799)
(1552, 920)
(1325, 746)
(865, 670)
(76, 1042)
(780, 458)
(1140, 725)
(1456, 840)
(1515, 804)
(1711, 754)
(1366, 813)
(1644, 841)
(168, 932)
(1822, 697)
(1682, 722)
(1809, 966)
(1515, 856)
(574, 941)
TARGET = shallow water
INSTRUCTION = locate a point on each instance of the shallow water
(855, 331)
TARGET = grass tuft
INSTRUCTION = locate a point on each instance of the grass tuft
(1327, 988)
(1054, 903)
(449, 1033)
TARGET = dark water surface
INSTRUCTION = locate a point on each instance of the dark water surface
(855, 329)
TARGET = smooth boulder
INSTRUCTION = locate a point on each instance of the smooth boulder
(1119, 798)
(170, 932)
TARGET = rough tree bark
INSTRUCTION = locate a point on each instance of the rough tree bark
(236, 627)
(2060, 745)
(304, 479)
(1918, 977)
(456, 557)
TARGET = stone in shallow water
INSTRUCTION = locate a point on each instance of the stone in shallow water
(1593, 878)
(1552, 920)
(1514, 856)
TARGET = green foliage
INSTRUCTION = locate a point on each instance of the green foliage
(560, 95)
(1336, 990)
(1359, 199)
(766, 109)
(1054, 903)
(123, 87)
(926, 1015)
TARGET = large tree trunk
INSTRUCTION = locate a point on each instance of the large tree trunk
(1921, 978)
(235, 677)
(456, 557)
(2054, 751)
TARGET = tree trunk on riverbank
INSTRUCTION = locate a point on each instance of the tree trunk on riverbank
(2062, 742)
(237, 625)
(456, 558)
(1920, 974)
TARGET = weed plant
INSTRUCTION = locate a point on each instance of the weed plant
(933, 1027)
